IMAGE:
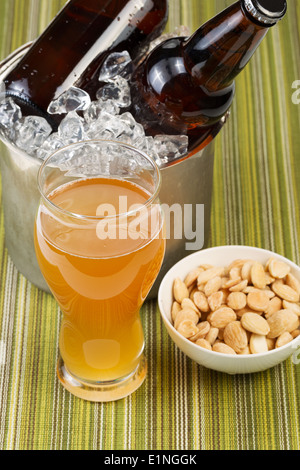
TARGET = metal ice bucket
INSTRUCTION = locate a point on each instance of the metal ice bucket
(186, 184)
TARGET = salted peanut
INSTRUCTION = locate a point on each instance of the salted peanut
(192, 276)
(208, 316)
(269, 279)
(268, 263)
(186, 314)
(239, 287)
(176, 308)
(271, 343)
(223, 348)
(282, 321)
(277, 324)
(205, 267)
(246, 271)
(201, 287)
(203, 329)
(215, 300)
(239, 263)
(258, 344)
(292, 319)
(235, 272)
(189, 304)
(180, 291)
(226, 293)
(229, 283)
(191, 289)
(221, 317)
(192, 292)
(240, 313)
(255, 324)
(187, 328)
(245, 351)
(201, 302)
(295, 307)
(275, 304)
(225, 279)
(221, 334)
(237, 300)
(258, 300)
(213, 285)
(249, 289)
(295, 333)
(293, 282)
(210, 273)
(278, 269)
(235, 336)
(269, 292)
(283, 339)
(258, 277)
(203, 343)
(212, 335)
(285, 292)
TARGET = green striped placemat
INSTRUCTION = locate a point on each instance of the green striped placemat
(181, 406)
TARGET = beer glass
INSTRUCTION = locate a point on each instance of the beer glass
(100, 243)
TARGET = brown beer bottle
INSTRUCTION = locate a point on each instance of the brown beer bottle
(186, 86)
(83, 33)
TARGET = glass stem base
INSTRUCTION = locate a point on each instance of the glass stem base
(102, 391)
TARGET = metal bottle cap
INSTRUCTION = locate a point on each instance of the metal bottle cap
(268, 12)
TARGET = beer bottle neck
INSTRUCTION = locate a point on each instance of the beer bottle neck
(222, 47)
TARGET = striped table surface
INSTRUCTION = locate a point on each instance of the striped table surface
(256, 201)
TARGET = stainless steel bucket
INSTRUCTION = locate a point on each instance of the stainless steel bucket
(187, 185)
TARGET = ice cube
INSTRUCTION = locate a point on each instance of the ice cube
(71, 128)
(10, 115)
(133, 129)
(117, 90)
(103, 124)
(116, 64)
(96, 129)
(109, 106)
(31, 133)
(51, 144)
(86, 161)
(97, 107)
(147, 145)
(74, 99)
(114, 124)
(125, 139)
(171, 147)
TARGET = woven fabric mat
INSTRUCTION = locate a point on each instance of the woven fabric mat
(256, 199)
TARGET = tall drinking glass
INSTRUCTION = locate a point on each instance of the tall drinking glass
(99, 240)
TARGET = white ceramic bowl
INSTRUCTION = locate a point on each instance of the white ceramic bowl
(239, 364)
